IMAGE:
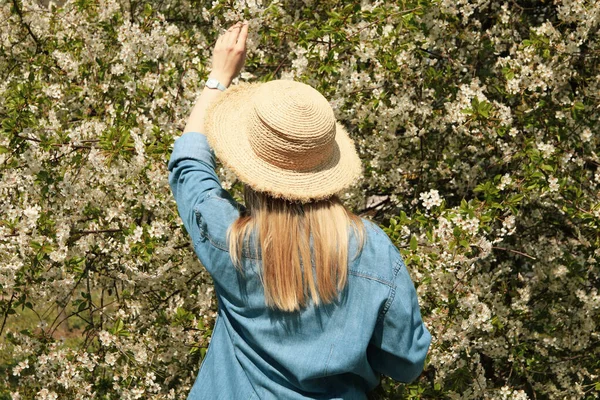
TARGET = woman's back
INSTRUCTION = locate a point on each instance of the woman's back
(329, 351)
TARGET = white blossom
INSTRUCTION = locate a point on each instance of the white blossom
(505, 181)
(553, 184)
(431, 198)
(586, 135)
(547, 149)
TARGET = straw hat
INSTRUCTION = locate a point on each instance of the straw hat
(281, 137)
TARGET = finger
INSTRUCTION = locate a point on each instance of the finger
(241, 40)
(232, 36)
(222, 36)
(230, 30)
(235, 31)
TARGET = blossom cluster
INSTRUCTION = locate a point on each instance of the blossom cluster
(477, 125)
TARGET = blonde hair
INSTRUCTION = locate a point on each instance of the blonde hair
(292, 272)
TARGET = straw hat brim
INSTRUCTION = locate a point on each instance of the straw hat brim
(226, 130)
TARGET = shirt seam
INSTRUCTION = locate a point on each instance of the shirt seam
(366, 275)
(392, 295)
(387, 304)
(397, 267)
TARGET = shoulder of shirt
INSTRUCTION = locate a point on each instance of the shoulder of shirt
(380, 259)
(374, 232)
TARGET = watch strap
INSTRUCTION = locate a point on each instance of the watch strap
(212, 83)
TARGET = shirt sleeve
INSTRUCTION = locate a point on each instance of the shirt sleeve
(401, 340)
(192, 176)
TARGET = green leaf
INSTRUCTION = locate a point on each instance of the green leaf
(547, 167)
(117, 327)
(464, 206)
(508, 73)
(413, 243)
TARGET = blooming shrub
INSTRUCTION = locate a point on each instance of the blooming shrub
(476, 121)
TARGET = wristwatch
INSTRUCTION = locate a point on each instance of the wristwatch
(212, 83)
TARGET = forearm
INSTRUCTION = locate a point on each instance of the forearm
(195, 122)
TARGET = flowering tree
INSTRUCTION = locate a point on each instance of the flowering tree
(476, 124)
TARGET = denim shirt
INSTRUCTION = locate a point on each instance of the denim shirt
(334, 351)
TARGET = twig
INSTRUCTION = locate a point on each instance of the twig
(92, 232)
(514, 251)
(20, 14)
(31, 139)
(8, 307)
(279, 66)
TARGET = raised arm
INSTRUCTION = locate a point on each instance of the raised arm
(228, 59)
(192, 163)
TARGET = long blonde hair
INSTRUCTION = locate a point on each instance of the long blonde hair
(292, 273)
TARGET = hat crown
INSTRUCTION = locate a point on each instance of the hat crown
(292, 126)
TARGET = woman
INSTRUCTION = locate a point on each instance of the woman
(314, 303)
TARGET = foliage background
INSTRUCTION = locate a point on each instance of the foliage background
(477, 124)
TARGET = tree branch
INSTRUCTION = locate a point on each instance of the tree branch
(514, 251)
(8, 307)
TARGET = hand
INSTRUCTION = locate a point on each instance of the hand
(228, 59)
(230, 53)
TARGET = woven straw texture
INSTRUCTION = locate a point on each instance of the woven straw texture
(281, 137)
